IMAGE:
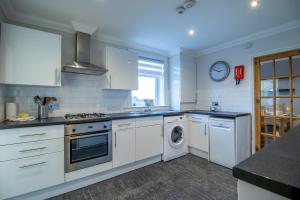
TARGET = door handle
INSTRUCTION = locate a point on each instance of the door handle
(115, 139)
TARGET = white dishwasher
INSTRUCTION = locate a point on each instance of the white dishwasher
(222, 141)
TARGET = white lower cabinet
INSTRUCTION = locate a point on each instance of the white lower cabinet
(30, 174)
(198, 132)
(136, 139)
(149, 141)
(123, 142)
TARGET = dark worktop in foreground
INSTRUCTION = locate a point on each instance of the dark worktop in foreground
(276, 167)
(114, 116)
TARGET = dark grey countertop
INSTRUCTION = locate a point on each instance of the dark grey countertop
(115, 116)
(276, 167)
(218, 114)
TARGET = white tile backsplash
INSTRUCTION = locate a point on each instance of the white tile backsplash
(79, 93)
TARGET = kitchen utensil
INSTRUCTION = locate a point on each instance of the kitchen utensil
(43, 112)
(37, 100)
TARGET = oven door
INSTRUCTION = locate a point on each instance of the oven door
(87, 150)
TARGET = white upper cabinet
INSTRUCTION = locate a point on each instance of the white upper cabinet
(29, 56)
(188, 79)
(122, 68)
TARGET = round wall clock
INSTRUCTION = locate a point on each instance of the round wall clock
(219, 71)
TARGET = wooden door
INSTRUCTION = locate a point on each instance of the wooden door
(277, 95)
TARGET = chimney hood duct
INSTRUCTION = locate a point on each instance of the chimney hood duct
(82, 63)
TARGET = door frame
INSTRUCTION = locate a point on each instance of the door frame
(253, 86)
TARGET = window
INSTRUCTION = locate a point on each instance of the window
(151, 83)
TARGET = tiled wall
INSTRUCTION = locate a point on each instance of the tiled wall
(79, 93)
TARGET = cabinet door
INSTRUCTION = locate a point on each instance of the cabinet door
(29, 57)
(124, 146)
(30, 174)
(198, 137)
(149, 141)
(188, 79)
(123, 69)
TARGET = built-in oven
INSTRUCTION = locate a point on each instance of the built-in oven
(87, 144)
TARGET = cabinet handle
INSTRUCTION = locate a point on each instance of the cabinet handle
(197, 122)
(205, 130)
(122, 125)
(110, 81)
(33, 149)
(32, 165)
(57, 76)
(115, 139)
(32, 135)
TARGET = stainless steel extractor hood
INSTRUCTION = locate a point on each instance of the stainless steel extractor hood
(82, 64)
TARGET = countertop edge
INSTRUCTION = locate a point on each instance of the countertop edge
(266, 183)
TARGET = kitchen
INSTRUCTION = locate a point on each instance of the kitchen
(101, 105)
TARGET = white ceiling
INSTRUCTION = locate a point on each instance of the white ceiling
(155, 23)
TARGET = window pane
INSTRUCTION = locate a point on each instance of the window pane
(283, 107)
(296, 107)
(147, 88)
(267, 107)
(151, 82)
(296, 86)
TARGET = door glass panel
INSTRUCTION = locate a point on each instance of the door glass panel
(282, 67)
(283, 107)
(266, 88)
(177, 135)
(89, 148)
(296, 107)
(266, 69)
(283, 87)
(282, 126)
(296, 86)
(267, 107)
(296, 65)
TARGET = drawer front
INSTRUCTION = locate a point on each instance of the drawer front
(16, 151)
(20, 135)
(149, 121)
(30, 174)
(198, 118)
(123, 124)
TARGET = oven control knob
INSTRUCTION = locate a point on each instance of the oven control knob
(104, 126)
(73, 130)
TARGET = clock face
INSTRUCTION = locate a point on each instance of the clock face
(219, 71)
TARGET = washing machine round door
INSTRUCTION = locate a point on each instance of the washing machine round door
(176, 137)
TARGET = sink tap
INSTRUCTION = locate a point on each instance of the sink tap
(148, 104)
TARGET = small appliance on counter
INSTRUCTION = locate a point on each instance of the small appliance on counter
(11, 109)
(215, 107)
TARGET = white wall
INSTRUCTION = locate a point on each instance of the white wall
(239, 98)
(232, 97)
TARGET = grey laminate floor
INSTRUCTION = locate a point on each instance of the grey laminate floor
(188, 177)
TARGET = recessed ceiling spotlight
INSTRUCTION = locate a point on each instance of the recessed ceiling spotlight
(180, 9)
(254, 3)
(189, 3)
(191, 32)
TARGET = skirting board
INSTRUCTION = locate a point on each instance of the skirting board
(83, 182)
(198, 153)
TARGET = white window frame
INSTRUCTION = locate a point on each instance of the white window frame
(160, 93)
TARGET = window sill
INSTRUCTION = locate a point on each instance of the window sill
(145, 107)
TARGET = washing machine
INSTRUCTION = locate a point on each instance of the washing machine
(175, 137)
